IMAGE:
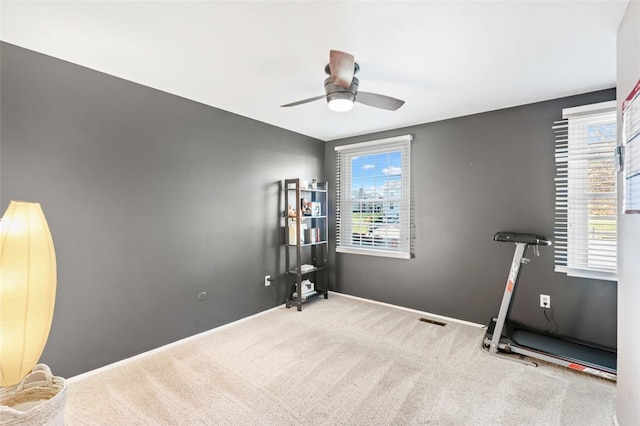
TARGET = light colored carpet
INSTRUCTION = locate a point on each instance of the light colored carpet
(339, 361)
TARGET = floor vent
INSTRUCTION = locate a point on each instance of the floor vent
(430, 321)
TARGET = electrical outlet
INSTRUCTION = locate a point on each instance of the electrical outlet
(545, 301)
(267, 280)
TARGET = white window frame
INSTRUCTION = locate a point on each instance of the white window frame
(345, 202)
(582, 250)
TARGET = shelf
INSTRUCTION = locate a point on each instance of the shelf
(315, 268)
(314, 227)
(294, 300)
(308, 244)
(311, 190)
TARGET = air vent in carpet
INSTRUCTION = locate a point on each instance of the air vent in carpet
(430, 321)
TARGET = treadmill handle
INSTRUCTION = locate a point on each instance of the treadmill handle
(518, 237)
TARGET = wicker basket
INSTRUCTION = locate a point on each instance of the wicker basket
(39, 399)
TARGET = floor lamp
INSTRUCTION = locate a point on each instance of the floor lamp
(29, 393)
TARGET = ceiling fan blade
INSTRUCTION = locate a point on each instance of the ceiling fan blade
(379, 101)
(342, 66)
(304, 101)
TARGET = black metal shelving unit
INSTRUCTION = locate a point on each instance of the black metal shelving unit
(305, 239)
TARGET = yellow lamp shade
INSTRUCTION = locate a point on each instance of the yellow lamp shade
(27, 289)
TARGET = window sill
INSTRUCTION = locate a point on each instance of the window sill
(379, 253)
(586, 273)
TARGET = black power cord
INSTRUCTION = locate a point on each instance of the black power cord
(552, 323)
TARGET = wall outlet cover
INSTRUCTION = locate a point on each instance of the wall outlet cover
(545, 301)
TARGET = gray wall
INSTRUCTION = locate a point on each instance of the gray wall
(151, 199)
(473, 176)
(628, 389)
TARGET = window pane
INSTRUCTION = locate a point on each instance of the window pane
(586, 200)
(373, 214)
(376, 176)
(602, 132)
(393, 187)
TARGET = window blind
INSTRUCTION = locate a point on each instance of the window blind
(586, 194)
(373, 198)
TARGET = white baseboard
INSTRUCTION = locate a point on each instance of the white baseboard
(222, 327)
(415, 311)
(168, 345)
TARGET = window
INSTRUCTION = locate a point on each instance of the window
(586, 194)
(373, 198)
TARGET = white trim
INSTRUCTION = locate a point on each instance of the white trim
(415, 311)
(167, 346)
(345, 155)
(402, 138)
(586, 273)
(589, 109)
(143, 355)
(590, 273)
(373, 252)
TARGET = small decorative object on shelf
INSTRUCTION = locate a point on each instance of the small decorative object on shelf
(306, 240)
(316, 208)
(305, 207)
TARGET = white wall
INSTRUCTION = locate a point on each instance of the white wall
(628, 410)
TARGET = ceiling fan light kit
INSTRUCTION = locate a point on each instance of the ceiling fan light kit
(338, 103)
(341, 87)
(340, 99)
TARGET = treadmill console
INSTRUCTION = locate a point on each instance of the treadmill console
(517, 237)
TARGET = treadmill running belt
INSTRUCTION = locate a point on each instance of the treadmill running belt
(568, 350)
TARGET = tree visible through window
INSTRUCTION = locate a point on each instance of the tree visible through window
(602, 207)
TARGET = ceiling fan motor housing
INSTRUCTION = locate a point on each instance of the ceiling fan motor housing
(333, 91)
(356, 68)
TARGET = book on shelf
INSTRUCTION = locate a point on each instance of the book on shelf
(305, 296)
(292, 233)
(306, 267)
(312, 235)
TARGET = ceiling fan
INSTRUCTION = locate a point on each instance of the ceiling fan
(341, 87)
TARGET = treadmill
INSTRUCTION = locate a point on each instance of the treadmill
(504, 337)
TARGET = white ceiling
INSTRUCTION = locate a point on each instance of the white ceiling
(445, 59)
